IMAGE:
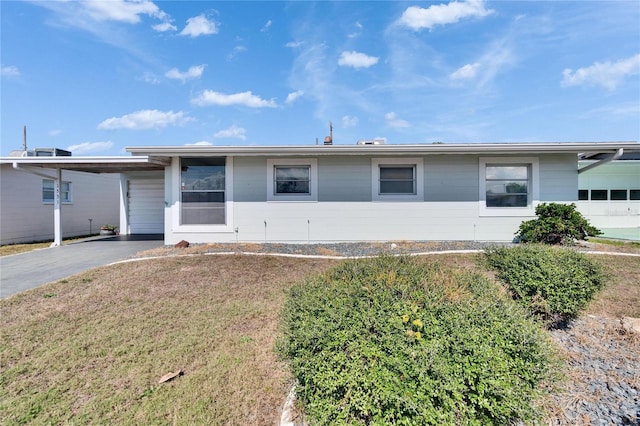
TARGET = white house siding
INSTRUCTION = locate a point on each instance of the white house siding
(624, 174)
(25, 218)
(344, 210)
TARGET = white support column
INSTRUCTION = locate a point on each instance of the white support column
(57, 210)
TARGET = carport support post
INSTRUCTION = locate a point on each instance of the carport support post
(57, 207)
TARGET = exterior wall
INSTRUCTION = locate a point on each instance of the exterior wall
(345, 210)
(622, 174)
(25, 218)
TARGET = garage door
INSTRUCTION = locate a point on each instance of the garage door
(146, 205)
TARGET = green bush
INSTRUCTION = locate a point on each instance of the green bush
(556, 224)
(553, 283)
(394, 341)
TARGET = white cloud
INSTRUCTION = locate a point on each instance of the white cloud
(122, 10)
(232, 132)
(393, 121)
(466, 72)
(201, 143)
(209, 97)
(356, 60)
(193, 72)
(199, 25)
(606, 74)
(291, 97)
(417, 18)
(54, 132)
(294, 44)
(145, 119)
(88, 147)
(10, 71)
(266, 26)
(165, 26)
(149, 77)
(348, 121)
(236, 50)
(356, 33)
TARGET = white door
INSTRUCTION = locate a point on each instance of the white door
(146, 205)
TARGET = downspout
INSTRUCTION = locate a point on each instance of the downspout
(615, 156)
(57, 210)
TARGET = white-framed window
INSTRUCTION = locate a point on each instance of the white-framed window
(203, 191)
(292, 179)
(397, 179)
(48, 189)
(509, 186)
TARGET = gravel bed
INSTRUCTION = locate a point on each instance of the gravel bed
(602, 374)
(352, 249)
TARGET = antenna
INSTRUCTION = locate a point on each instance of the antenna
(329, 139)
(24, 138)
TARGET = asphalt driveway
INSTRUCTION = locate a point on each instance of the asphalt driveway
(24, 271)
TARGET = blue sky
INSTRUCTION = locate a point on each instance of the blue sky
(97, 76)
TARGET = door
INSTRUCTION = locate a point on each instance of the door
(146, 205)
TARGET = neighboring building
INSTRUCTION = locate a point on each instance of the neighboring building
(609, 195)
(27, 201)
(329, 193)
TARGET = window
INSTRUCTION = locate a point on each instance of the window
(398, 179)
(292, 179)
(583, 194)
(619, 194)
(48, 189)
(507, 186)
(203, 191)
(599, 195)
(634, 194)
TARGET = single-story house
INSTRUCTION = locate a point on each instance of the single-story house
(88, 201)
(609, 195)
(359, 192)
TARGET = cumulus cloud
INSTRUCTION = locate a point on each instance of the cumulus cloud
(291, 97)
(165, 26)
(236, 51)
(465, 72)
(232, 132)
(89, 147)
(356, 60)
(606, 74)
(395, 122)
(348, 121)
(123, 10)
(193, 72)
(209, 97)
(199, 25)
(418, 18)
(145, 119)
(10, 71)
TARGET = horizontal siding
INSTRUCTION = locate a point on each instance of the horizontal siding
(24, 217)
(344, 179)
(451, 178)
(249, 179)
(558, 177)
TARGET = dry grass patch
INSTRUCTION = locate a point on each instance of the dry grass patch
(621, 295)
(91, 349)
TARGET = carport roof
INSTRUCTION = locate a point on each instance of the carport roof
(119, 164)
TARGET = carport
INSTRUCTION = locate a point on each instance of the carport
(119, 164)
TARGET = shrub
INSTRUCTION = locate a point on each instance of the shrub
(395, 341)
(556, 224)
(553, 283)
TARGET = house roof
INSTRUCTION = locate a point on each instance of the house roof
(117, 164)
(390, 149)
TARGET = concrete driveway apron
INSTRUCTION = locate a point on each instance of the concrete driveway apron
(25, 271)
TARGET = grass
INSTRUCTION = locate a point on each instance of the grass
(90, 349)
(9, 249)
